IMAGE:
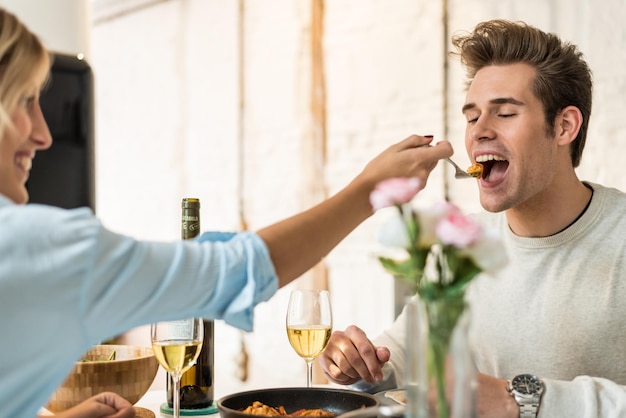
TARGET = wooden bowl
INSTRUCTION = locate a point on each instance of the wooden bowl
(336, 401)
(129, 375)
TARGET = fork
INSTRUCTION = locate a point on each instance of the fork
(459, 173)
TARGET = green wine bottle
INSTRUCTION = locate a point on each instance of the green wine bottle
(196, 384)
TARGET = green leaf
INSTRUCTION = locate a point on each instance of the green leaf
(412, 227)
(402, 268)
(418, 258)
(429, 291)
(465, 271)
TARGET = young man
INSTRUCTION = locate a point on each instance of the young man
(556, 311)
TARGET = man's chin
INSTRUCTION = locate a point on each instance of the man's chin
(490, 205)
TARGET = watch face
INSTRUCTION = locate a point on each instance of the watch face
(526, 384)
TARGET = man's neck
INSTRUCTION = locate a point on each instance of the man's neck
(551, 213)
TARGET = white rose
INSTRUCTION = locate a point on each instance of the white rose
(393, 232)
(488, 252)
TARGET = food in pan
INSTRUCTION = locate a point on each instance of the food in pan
(259, 408)
(475, 170)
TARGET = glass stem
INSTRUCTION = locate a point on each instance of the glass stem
(309, 373)
(176, 394)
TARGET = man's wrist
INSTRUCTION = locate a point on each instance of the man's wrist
(511, 407)
(494, 399)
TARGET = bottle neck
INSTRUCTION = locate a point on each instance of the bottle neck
(190, 219)
(190, 224)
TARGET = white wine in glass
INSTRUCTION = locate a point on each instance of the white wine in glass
(309, 325)
(176, 346)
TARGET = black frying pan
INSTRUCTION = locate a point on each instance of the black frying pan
(336, 401)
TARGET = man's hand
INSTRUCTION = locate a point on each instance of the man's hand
(103, 405)
(350, 356)
(493, 400)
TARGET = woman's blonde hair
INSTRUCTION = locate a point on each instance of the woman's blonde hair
(22, 58)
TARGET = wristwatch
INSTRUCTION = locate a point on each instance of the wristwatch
(527, 390)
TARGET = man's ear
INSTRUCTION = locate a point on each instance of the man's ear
(567, 124)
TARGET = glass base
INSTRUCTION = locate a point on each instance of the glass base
(166, 409)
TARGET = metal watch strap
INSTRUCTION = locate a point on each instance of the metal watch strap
(528, 401)
(528, 410)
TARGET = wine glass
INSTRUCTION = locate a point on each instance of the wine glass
(176, 346)
(309, 324)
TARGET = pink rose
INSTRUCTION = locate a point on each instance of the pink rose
(394, 191)
(430, 217)
(458, 230)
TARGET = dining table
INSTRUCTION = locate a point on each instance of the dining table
(154, 398)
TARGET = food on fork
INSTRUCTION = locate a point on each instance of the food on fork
(475, 170)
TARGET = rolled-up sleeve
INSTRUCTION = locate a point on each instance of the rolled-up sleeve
(260, 277)
(218, 276)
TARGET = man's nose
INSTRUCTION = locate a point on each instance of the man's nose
(480, 129)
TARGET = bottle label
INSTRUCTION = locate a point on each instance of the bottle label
(191, 226)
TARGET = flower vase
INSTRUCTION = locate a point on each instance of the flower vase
(440, 375)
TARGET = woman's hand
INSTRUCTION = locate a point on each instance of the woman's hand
(411, 157)
(103, 405)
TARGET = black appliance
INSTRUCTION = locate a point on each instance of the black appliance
(64, 175)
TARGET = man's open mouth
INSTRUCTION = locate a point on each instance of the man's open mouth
(494, 167)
